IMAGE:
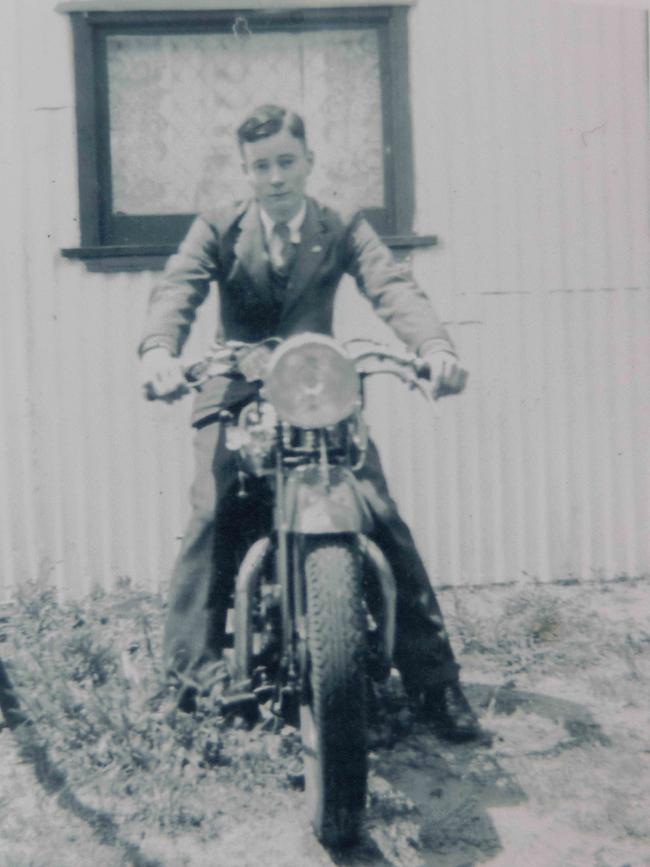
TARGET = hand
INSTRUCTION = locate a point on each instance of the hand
(162, 375)
(448, 376)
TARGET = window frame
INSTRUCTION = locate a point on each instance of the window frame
(105, 238)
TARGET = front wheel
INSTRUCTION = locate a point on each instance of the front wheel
(333, 718)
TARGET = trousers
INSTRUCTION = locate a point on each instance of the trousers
(221, 528)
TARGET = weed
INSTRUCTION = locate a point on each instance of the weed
(88, 678)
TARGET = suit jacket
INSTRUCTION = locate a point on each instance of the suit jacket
(227, 245)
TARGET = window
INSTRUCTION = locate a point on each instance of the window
(160, 95)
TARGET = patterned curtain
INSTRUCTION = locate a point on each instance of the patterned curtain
(176, 100)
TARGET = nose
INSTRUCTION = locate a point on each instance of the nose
(276, 175)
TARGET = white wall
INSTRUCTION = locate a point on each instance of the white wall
(530, 124)
(539, 115)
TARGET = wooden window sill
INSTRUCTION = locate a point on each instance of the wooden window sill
(112, 6)
(150, 257)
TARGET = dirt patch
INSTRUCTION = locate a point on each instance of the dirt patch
(33, 826)
(560, 675)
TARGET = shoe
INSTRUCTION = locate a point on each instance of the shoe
(450, 714)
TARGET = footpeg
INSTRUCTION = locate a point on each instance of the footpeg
(244, 704)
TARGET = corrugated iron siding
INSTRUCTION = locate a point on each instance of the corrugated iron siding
(537, 125)
(531, 137)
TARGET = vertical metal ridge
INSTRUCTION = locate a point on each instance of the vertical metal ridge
(532, 161)
(20, 515)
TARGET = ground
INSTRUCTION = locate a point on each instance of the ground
(559, 674)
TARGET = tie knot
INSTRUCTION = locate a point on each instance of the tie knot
(282, 231)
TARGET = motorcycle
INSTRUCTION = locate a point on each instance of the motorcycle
(315, 599)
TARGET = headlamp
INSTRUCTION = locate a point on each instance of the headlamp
(311, 382)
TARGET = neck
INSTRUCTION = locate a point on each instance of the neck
(283, 216)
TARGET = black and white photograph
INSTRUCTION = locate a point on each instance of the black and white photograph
(325, 433)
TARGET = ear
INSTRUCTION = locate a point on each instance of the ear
(311, 159)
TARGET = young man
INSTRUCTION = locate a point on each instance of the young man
(278, 259)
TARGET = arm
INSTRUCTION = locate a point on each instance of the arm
(390, 288)
(399, 301)
(172, 309)
(181, 290)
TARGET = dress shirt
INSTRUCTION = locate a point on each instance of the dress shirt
(273, 243)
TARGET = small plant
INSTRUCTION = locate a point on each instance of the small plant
(518, 629)
(534, 616)
(89, 679)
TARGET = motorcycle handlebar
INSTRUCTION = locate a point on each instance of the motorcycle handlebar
(223, 358)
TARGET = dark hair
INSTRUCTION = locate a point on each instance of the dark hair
(267, 120)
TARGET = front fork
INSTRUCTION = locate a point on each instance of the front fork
(293, 602)
(313, 501)
(250, 574)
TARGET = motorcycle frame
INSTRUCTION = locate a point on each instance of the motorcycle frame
(294, 487)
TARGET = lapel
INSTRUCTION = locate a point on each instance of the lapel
(250, 250)
(315, 240)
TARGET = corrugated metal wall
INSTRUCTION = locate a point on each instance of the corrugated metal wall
(531, 135)
(538, 129)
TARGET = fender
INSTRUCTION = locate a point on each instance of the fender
(380, 567)
(317, 504)
(248, 578)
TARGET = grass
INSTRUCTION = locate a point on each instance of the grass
(88, 678)
(537, 630)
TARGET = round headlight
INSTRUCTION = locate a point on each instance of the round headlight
(311, 382)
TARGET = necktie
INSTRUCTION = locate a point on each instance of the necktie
(282, 250)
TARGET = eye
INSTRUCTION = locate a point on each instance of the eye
(286, 162)
(261, 165)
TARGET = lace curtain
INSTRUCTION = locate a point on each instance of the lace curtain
(175, 102)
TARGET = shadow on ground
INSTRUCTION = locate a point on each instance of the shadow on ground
(429, 802)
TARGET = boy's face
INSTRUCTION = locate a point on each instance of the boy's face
(277, 168)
